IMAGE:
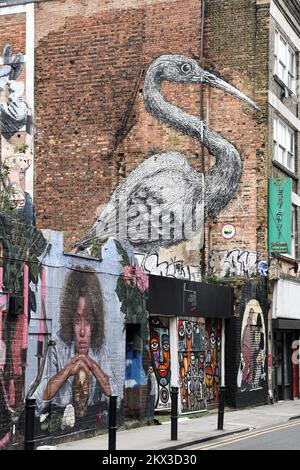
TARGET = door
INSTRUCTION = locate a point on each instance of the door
(286, 373)
(288, 366)
(279, 379)
(295, 365)
(199, 361)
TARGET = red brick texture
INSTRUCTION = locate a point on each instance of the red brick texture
(93, 130)
(236, 46)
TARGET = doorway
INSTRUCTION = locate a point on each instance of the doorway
(286, 373)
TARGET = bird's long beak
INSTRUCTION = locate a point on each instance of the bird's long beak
(216, 82)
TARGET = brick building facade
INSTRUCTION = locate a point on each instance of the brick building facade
(85, 85)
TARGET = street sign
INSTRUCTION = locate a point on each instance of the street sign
(280, 215)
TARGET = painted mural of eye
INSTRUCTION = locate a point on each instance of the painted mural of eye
(186, 68)
(189, 330)
(181, 331)
(154, 345)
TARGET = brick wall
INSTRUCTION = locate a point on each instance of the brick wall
(236, 46)
(92, 128)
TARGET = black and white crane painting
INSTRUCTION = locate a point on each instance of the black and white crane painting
(164, 201)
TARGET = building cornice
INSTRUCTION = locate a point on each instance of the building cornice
(11, 3)
(288, 8)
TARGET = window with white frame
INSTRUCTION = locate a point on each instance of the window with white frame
(285, 62)
(284, 144)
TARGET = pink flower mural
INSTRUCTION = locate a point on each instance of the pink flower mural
(134, 277)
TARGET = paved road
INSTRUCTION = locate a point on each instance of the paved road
(282, 437)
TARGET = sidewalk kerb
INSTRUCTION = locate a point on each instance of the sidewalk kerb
(206, 439)
(294, 417)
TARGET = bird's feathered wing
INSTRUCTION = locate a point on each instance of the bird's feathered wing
(163, 186)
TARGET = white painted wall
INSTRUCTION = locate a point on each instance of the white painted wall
(286, 300)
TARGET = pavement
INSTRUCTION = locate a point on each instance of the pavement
(192, 430)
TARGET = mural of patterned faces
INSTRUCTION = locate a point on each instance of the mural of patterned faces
(160, 359)
(181, 336)
(199, 353)
(213, 358)
(252, 373)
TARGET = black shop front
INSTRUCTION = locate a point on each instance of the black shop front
(187, 341)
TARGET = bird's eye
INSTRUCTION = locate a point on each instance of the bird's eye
(186, 68)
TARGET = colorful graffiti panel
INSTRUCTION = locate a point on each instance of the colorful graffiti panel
(160, 360)
(199, 358)
(252, 370)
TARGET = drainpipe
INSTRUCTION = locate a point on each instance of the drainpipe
(223, 354)
(202, 160)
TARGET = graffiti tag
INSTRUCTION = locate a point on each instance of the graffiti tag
(226, 263)
(151, 264)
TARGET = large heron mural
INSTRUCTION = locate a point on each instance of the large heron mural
(165, 185)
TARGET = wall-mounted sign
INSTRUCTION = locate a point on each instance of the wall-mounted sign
(280, 215)
(190, 302)
(228, 231)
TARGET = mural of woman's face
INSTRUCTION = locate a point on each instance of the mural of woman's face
(82, 328)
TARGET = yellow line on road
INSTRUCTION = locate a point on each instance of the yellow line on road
(252, 435)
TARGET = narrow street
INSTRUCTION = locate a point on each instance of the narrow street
(282, 437)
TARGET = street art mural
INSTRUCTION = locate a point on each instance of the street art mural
(85, 360)
(199, 358)
(14, 112)
(236, 262)
(132, 289)
(16, 154)
(14, 183)
(145, 209)
(62, 339)
(21, 249)
(152, 264)
(77, 370)
(252, 370)
(160, 364)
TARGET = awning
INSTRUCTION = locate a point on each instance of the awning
(284, 324)
(178, 297)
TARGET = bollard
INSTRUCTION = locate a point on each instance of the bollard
(221, 408)
(174, 413)
(29, 424)
(112, 427)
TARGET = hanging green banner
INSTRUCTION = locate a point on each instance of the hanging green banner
(280, 215)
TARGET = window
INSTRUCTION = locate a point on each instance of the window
(284, 145)
(285, 62)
